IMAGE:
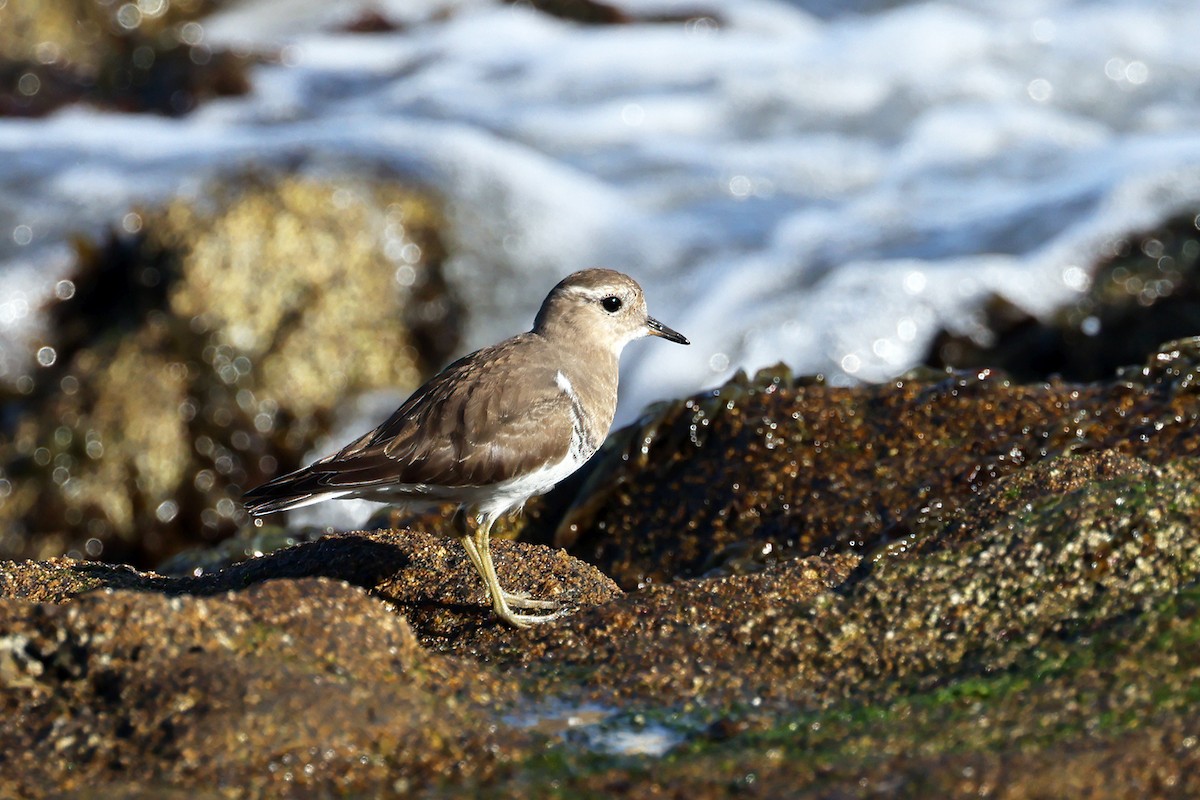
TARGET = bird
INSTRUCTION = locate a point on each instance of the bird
(494, 428)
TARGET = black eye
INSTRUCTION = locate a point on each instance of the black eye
(612, 304)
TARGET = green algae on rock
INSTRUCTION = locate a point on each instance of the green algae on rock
(1008, 606)
(244, 326)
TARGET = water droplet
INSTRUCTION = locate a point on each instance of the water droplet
(29, 84)
(129, 16)
(166, 511)
(192, 33)
(1040, 90)
(152, 8)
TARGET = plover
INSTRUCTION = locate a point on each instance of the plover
(496, 427)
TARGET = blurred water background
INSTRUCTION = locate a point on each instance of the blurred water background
(824, 184)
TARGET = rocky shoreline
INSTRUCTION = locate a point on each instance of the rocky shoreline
(979, 578)
(1017, 619)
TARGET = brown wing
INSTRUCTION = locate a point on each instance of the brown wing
(488, 417)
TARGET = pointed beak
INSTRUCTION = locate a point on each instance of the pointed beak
(656, 328)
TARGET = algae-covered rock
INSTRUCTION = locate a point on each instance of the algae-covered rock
(1010, 609)
(1061, 548)
(766, 468)
(206, 352)
(1037, 623)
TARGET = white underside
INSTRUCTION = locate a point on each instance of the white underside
(491, 501)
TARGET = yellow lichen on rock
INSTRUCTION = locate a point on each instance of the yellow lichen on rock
(146, 445)
(269, 275)
(206, 353)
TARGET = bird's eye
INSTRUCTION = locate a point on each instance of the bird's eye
(612, 304)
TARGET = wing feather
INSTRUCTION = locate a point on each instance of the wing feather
(487, 418)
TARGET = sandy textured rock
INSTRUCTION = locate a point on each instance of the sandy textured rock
(286, 685)
(770, 467)
(294, 670)
(717, 642)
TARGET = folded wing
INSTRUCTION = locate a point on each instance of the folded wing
(481, 421)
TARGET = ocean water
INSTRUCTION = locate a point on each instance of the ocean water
(824, 184)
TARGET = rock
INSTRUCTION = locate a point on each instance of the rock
(715, 642)
(207, 352)
(128, 57)
(988, 588)
(592, 12)
(771, 467)
(588, 12)
(285, 687)
(1146, 291)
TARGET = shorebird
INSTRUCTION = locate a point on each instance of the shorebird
(496, 427)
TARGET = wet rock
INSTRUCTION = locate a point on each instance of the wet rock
(288, 687)
(425, 576)
(134, 57)
(715, 642)
(771, 467)
(1145, 292)
(1060, 550)
(278, 673)
(991, 588)
(589, 12)
(207, 352)
(1102, 715)
(592, 12)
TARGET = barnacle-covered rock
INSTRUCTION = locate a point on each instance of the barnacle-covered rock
(766, 468)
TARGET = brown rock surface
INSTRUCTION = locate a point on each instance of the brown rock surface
(770, 467)
(988, 588)
(286, 685)
(274, 675)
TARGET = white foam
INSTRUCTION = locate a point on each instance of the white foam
(821, 183)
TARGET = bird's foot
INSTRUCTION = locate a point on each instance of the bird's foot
(527, 620)
(511, 600)
(523, 600)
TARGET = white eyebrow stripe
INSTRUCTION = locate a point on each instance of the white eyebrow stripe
(591, 292)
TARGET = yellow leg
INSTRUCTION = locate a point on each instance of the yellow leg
(478, 547)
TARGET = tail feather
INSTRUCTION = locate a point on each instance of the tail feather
(286, 492)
